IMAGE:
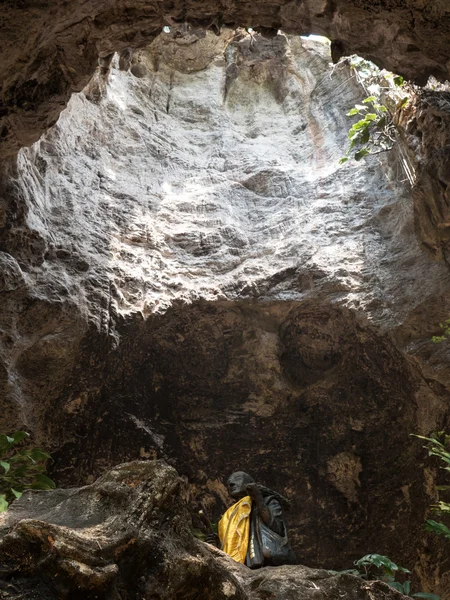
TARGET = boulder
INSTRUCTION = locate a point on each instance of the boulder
(128, 536)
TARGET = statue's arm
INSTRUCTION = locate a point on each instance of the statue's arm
(276, 513)
(271, 513)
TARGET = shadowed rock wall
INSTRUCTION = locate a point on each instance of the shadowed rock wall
(301, 395)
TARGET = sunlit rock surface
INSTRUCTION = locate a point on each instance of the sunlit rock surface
(221, 183)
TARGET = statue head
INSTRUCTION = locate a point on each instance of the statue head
(237, 482)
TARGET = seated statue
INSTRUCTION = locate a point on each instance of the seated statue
(252, 531)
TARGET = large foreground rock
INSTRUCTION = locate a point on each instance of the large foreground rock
(128, 536)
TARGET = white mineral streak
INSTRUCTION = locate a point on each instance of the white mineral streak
(185, 185)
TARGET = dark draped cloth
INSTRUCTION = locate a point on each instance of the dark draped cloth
(268, 544)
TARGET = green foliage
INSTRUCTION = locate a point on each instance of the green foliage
(437, 446)
(437, 528)
(206, 527)
(377, 566)
(199, 534)
(445, 326)
(372, 133)
(21, 469)
(380, 562)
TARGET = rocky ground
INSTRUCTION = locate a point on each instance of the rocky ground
(129, 536)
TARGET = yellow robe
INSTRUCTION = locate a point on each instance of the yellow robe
(234, 529)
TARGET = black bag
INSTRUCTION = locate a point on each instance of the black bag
(276, 548)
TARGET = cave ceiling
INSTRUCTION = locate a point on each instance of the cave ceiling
(50, 49)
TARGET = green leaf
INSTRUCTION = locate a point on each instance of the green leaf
(365, 137)
(16, 493)
(352, 112)
(19, 471)
(437, 528)
(4, 443)
(38, 455)
(7, 441)
(399, 80)
(18, 436)
(369, 99)
(397, 586)
(371, 117)
(42, 482)
(361, 153)
(441, 507)
(5, 465)
(343, 160)
(3, 503)
(362, 124)
(197, 533)
(403, 102)
(378, 560)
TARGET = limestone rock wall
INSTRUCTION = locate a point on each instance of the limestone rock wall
(300, 394)
(219, 183)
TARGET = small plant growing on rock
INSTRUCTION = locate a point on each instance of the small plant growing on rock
(374, 131)
(445, 327)
(437, 445)
(377, 566)
(20, 470)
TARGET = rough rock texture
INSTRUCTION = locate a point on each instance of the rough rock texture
(425, 126)
(127, 536)
(50, 49)
(307, 399)
(167, 183)
(222, 182)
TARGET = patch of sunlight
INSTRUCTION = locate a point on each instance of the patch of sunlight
(193, 194)
(117, 90)
(109, 173)
(316, 38)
